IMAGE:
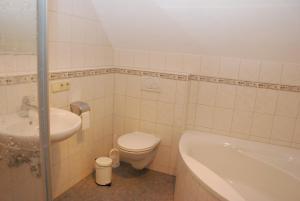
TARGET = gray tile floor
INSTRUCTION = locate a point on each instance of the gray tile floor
(127, 185)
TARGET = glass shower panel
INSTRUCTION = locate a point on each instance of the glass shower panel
(20, 167)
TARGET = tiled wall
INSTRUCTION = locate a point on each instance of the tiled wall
(76, 36)
(73, 159)
(258, 114)
(254, 113)
(76, 42)
(206, 65)
(161, 113)
(17, 64)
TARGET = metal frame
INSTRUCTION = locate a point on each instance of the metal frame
(43, 99)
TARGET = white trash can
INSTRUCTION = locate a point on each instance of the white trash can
(103, 168)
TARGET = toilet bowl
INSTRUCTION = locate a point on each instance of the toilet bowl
(137, 148)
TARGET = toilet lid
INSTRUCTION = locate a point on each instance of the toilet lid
(137, 141)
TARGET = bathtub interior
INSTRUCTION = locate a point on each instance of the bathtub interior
(255, 170)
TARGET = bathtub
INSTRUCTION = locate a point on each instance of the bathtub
(214, 167)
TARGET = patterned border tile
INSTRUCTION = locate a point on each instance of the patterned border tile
(245, 83)
(29, 78)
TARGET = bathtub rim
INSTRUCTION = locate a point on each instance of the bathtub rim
(206, 177)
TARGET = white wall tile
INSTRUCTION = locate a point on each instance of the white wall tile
(291, 74)
(242, 122)
(157, 60)
(207, 93)
(167, 90)
(133, 88)
(132, 107)
(22, 62)
(245, 98)
(119, 106)
(192, 63)
(193, 92)
(179, 115)
(174, 62)
(297, 132)
(204, 116)
(210, 66)
(7, 64)
(78, 26)
(165, 113)
(165, 133)
(147, 127)
(63, 55)
(229, 67)
(191, 114)
(181, 92)
(270, 72)
(226, 96)
(120, 84)
(249, 70)
(77, 56)
(283, 128)
(148, 110)
(288, 104)
(262, 125)
(65, 6)
(141, 59)
(131, 125)
(126, 58)
(266, 101)
(222, 119)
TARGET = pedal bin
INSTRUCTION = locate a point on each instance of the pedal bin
(103, 168)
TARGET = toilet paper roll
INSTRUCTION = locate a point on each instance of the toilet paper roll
(85, 120)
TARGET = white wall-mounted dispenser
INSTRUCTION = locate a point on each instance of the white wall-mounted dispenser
(83, 110)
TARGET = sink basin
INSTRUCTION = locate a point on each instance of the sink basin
(63, 124)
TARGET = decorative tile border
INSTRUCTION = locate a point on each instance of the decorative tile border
(29, 78)
(245, 83)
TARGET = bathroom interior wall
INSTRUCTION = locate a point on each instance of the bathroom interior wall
(263, 115)
(207, 38)
(77, 41)
(159, 113)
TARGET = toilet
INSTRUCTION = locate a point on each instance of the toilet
(138, 148)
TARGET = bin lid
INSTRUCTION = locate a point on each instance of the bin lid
(104, 161)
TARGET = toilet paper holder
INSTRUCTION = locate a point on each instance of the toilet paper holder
(79, 107)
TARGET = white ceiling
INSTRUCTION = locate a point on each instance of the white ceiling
(268, 29)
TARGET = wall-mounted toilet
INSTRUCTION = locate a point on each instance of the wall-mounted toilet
(137, 148)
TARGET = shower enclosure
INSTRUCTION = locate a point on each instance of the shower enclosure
(24, 121)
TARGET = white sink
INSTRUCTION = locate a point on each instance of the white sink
(63, 124)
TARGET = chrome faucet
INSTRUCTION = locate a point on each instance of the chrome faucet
(26, 107)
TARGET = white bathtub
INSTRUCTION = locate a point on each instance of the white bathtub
(213, 167)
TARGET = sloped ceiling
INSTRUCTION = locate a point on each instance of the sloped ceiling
(268, 29)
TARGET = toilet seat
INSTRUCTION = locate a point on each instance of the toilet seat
(137, 142)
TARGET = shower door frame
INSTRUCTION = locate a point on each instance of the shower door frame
(43, 99)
